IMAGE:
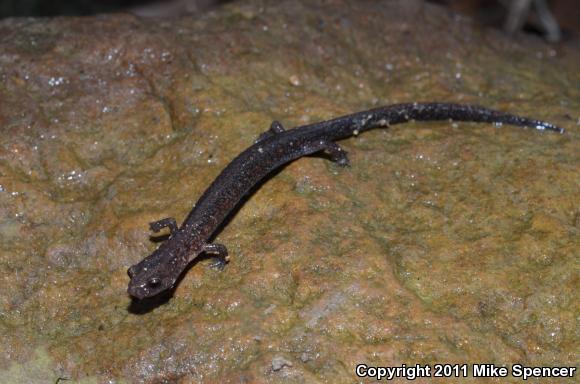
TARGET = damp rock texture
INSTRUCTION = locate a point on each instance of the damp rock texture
(441, 243)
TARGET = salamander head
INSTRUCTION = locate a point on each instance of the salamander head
(155, 274)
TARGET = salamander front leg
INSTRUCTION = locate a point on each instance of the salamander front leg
(221, 255)
(337, 154)
(275, 128)
(169, 222)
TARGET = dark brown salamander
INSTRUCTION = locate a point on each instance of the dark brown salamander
(159, 271)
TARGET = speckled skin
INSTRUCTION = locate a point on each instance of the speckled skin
(159, 271)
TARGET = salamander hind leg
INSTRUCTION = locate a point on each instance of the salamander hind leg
(275, 128)
(337, 154)
(221, 255)
(169, 222)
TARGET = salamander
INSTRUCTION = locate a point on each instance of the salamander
(277, 146)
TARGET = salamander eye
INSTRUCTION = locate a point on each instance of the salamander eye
(154, 282)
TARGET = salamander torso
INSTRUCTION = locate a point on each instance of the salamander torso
(159, 271)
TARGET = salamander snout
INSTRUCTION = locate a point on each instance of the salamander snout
(152, 282)
(158, 272)
(147, 282)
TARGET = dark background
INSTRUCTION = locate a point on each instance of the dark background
(41, 8)
(487, 12)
